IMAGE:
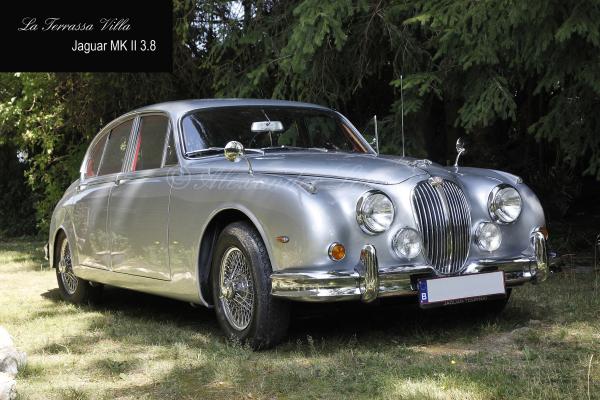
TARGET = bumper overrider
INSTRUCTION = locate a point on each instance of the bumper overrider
(369, 282)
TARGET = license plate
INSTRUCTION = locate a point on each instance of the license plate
(461, 289)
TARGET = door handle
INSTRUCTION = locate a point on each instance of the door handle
(80, 188)
(119, 182)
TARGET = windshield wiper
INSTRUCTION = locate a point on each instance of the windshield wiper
(207, 151)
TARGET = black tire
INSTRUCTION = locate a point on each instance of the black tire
(267, 324)
(72, 288)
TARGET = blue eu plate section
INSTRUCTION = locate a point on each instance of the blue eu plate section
(423, 298)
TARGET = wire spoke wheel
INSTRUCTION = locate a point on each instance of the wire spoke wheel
(236, 288)
(65, 267)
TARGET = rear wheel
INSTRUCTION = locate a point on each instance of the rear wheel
(72, 288)
(241, 286)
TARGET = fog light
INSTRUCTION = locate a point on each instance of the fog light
(337, 251)
(488, 236)
(407, 243)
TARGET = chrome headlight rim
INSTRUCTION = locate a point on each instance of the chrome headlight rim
(493, 208)
(395, 238)
(361, 218)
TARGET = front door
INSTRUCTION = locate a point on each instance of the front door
(139, 205)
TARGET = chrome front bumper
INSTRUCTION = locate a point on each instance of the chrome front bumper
(369, 282)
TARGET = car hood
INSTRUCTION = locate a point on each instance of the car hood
(386, 170)
(359, 167)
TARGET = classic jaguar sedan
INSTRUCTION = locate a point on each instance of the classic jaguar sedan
(246, 205)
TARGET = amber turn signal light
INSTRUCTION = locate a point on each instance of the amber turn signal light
(337, 251)
(544, 231)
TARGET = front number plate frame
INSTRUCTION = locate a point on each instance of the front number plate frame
(443, 291)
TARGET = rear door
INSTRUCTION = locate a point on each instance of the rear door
(139, 204)
(103, 164)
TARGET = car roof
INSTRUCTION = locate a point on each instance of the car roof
(180, 107)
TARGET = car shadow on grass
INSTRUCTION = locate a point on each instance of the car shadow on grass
(400, 319)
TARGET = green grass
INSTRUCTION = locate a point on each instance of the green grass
(143, 347)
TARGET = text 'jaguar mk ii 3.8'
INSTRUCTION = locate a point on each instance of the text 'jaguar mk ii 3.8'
(245, 205)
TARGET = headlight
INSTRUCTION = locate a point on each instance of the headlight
(488, 236)
(407, 243)
(504, 204)
(374, 212)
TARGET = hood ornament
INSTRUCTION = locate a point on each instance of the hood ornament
(461, 148)
(436, 181)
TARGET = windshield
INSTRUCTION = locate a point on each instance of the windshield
(269, 128)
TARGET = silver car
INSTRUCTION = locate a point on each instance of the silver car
(246, 205)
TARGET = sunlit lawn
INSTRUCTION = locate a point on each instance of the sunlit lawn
(140, 346)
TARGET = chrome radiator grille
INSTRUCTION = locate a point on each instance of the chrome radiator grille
(444, 219)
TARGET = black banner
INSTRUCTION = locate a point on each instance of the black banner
(78, 36)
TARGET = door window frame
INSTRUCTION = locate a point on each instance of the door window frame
(134, 137)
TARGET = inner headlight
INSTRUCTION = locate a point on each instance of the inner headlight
(504, 204)
(407, 243)
(488, 236)
(374, 212)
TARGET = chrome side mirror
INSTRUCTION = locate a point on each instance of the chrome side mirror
(461, 147)
(234, 151)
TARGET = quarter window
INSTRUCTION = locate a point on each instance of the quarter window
(150, 143)
(94, 157)
(116, 148)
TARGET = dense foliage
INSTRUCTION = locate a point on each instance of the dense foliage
(521, 79)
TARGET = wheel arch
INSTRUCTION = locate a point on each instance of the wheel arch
(60, 231)
(218, 221)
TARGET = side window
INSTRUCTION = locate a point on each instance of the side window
(171, 156)
(150, 142)
(114, 155)
(94, 158)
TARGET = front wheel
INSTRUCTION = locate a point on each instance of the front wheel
(72, 288)
(241, 286)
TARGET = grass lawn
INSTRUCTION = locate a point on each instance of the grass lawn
(140, 346)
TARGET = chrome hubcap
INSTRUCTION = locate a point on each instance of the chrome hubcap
(236, 288)
(65, 268)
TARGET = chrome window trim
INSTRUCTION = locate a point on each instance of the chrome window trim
(128, 160)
